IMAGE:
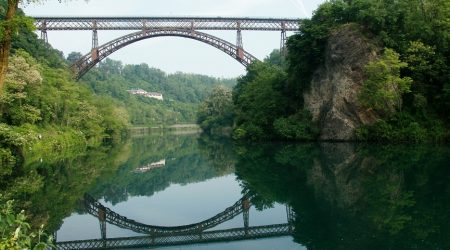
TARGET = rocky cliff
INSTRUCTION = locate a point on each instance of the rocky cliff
(333, 95)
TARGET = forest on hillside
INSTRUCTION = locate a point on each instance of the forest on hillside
(182, 92)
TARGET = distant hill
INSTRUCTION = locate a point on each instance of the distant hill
(182, 92)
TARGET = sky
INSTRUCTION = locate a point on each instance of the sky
(173, 54)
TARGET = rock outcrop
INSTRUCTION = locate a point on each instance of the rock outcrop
(333, 95)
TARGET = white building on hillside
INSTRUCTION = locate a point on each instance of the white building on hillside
(142, 92)
(150, 166)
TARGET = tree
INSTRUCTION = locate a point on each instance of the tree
(8, 26)
(217, 110)
(276, 58)
(23, 77)
(259, 100)
(383, 89)
(73, 57)
(109, 66)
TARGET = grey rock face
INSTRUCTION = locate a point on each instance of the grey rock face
(333, 95)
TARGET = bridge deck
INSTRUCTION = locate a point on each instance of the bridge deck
(142, 23)
(234, 234)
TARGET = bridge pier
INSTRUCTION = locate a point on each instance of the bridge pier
(283, 39)
(239, 43)
(153, 235)
(246, 214)
(192, 28)
(200, 231)
(55, 237)
(290, 217)
(94, 39)
(94, 35)
(44, 35)
(102, 221)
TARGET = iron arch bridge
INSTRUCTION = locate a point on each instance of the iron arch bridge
(157, 236)
(148, 27)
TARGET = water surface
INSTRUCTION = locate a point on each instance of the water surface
(342, 196)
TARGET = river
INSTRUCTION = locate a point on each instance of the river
(204, 193)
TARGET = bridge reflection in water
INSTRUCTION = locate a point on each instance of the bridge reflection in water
(159, 236)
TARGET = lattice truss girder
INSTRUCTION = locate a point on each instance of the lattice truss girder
(141, 23)
(210, 236)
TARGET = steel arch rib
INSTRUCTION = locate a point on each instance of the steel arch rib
(85, 63)
(93, 207)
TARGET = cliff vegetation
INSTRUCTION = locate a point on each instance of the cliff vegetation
(357, 70)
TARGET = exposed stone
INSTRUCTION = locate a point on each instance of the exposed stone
(333, 95)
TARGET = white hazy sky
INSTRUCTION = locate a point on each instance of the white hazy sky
(173, 54)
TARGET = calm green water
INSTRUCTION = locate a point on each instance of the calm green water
(343, 196)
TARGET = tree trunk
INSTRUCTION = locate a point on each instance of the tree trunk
(5, 44)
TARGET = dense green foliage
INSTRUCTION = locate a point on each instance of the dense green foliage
(181, 92)
(16, 231)
(216, 111)
(262, 109)
(45, 115)
(41, 104)
(259, 100)
(408, 86)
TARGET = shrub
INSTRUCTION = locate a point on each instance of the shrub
(16, 233)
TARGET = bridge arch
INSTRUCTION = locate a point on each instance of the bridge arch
(104, 214)
(86, 62)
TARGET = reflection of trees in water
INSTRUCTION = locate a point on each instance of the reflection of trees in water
(65, 181)
(189, 159)
(349, 196)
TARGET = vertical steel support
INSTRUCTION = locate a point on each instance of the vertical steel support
(239, 43)
(55, 237)
(94, 50)
(246, 213)
(102, 221)
(144, 25)
(94, 35)
(200, 231)
(192, 27)
(283, 39)
(44, 35)
(153, 235)
(290, 217)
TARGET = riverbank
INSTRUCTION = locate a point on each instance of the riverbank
(138, 131)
